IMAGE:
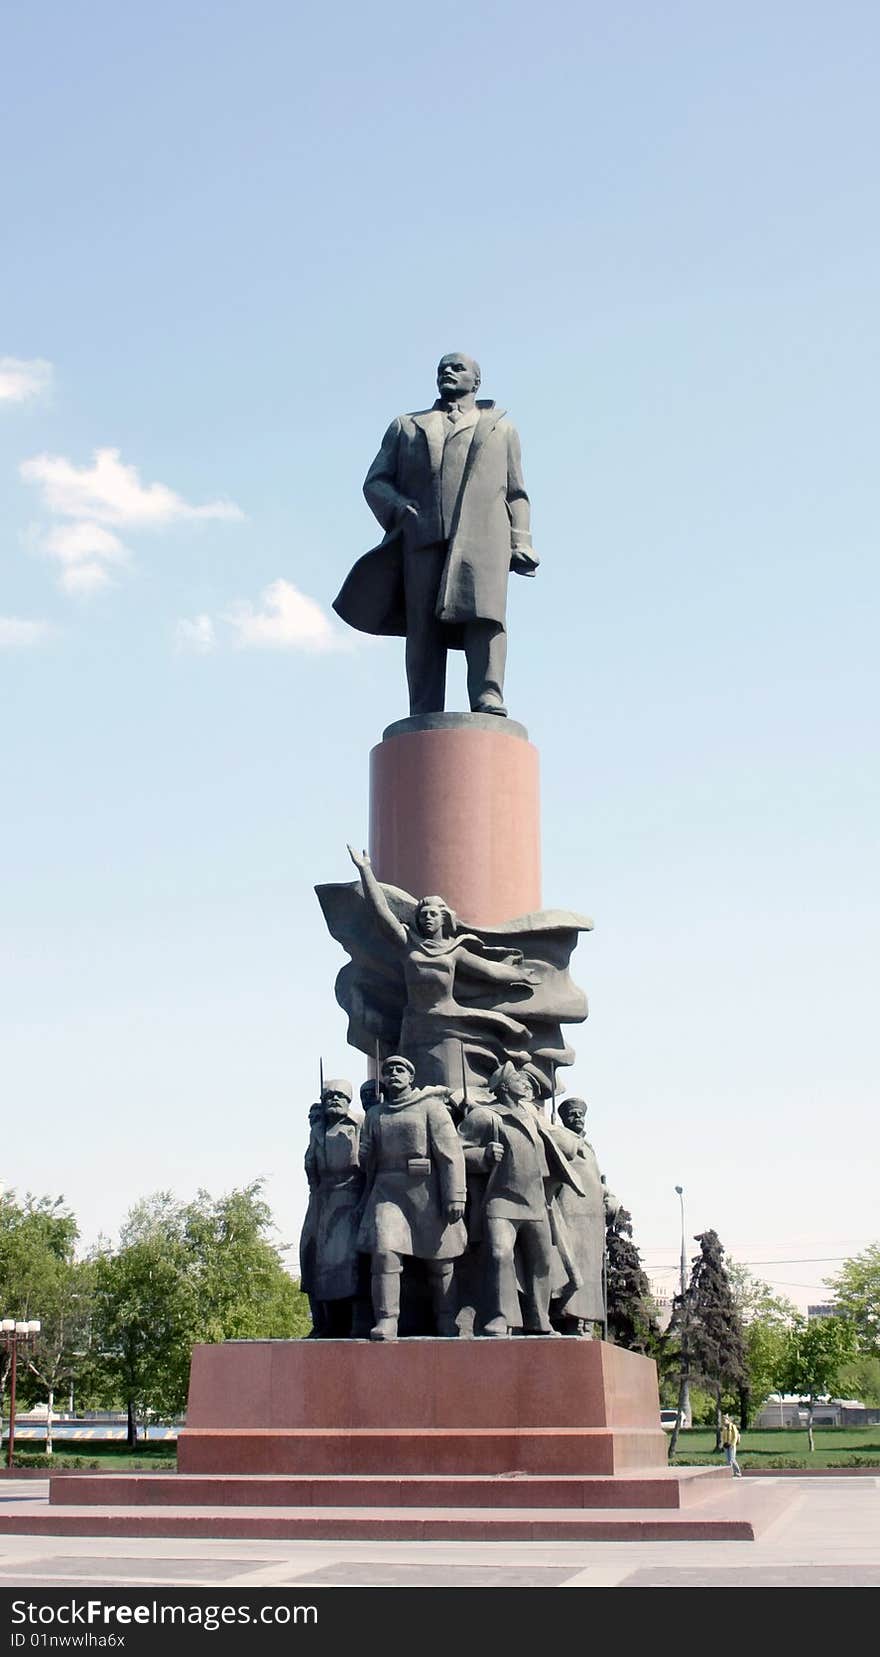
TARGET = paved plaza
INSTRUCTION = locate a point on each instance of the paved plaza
(827, 1536)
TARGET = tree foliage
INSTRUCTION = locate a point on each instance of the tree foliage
(708, 1325)
(856, 1290)
(632, 1318)
(813, 1358)
(40, 1278)
(859, 1378)
(766, 1319)
(184, 1273)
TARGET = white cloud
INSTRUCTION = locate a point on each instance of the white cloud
(197, 635)
(17, 634)
(110, 492)
(288, 620)
(21, 381)
(84, 552)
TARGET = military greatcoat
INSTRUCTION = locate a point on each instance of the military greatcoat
(328, 1249)
(412, 1159)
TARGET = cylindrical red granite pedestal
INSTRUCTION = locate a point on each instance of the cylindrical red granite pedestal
(455, 813)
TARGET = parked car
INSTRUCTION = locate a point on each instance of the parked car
(668, 1419)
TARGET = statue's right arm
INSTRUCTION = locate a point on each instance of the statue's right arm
(376, 899)
(380, 484)
(475, 1133)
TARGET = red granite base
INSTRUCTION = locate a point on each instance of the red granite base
(668, 1488)
(522, 1439)
(421, 1407)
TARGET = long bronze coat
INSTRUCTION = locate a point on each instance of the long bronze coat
(492, 503)
(412, 1158)
(583, 1215)
(328, 1253)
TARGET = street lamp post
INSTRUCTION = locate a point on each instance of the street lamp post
(684, 1399)
(12, 1333)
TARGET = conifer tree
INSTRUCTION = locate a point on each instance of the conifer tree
(716, 1345)
(632, 1320)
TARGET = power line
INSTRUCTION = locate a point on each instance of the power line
(801, 1260)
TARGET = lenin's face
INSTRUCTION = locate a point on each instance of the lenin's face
(457, 375)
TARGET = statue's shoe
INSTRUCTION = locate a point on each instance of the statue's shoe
(384, 1330)
(496, 1327)
(490, 707)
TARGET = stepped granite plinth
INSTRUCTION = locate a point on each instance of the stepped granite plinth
(421, 1407)
(519, 1439)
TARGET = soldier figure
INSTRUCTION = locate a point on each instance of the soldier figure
(329, 1263)
(412, 1160)
(512, 1143)
(578, 1299)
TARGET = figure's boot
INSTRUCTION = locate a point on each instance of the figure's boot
(496, 1324)
(318, 1311)
(386, 1305)
(443, 1298)
(536, 1307)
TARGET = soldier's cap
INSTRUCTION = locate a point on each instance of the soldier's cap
(398, 1058)
(507, 1071)
(337, 1084)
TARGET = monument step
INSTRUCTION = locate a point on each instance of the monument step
(394, 1451)
(670, 1488)
(738, 1514)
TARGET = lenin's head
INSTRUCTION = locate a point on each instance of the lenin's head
(457, 375)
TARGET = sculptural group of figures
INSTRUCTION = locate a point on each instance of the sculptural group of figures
(441, 1218)
(455, 1207)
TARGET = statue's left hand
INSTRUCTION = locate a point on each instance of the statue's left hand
(454, 1212)
(523, 561)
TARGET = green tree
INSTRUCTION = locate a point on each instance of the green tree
(144, 1315)
(716, 1348)
(860, 1378)
(58, 1356)
(41, 1279)
(811, 1363)
(766, 1319)
(856, 1290)
(632, 1317)
(185, 1273)
(242, 1289)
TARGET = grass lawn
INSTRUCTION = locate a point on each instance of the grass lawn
(108, 1457)
(774, 1447)
(786, 1447)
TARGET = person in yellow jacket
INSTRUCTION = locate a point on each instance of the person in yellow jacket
(730, 1440)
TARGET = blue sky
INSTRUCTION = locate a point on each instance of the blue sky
(237, 240)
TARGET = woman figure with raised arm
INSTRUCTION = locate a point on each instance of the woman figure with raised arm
(437, 1029)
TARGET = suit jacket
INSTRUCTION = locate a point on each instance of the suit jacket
(482, 525)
